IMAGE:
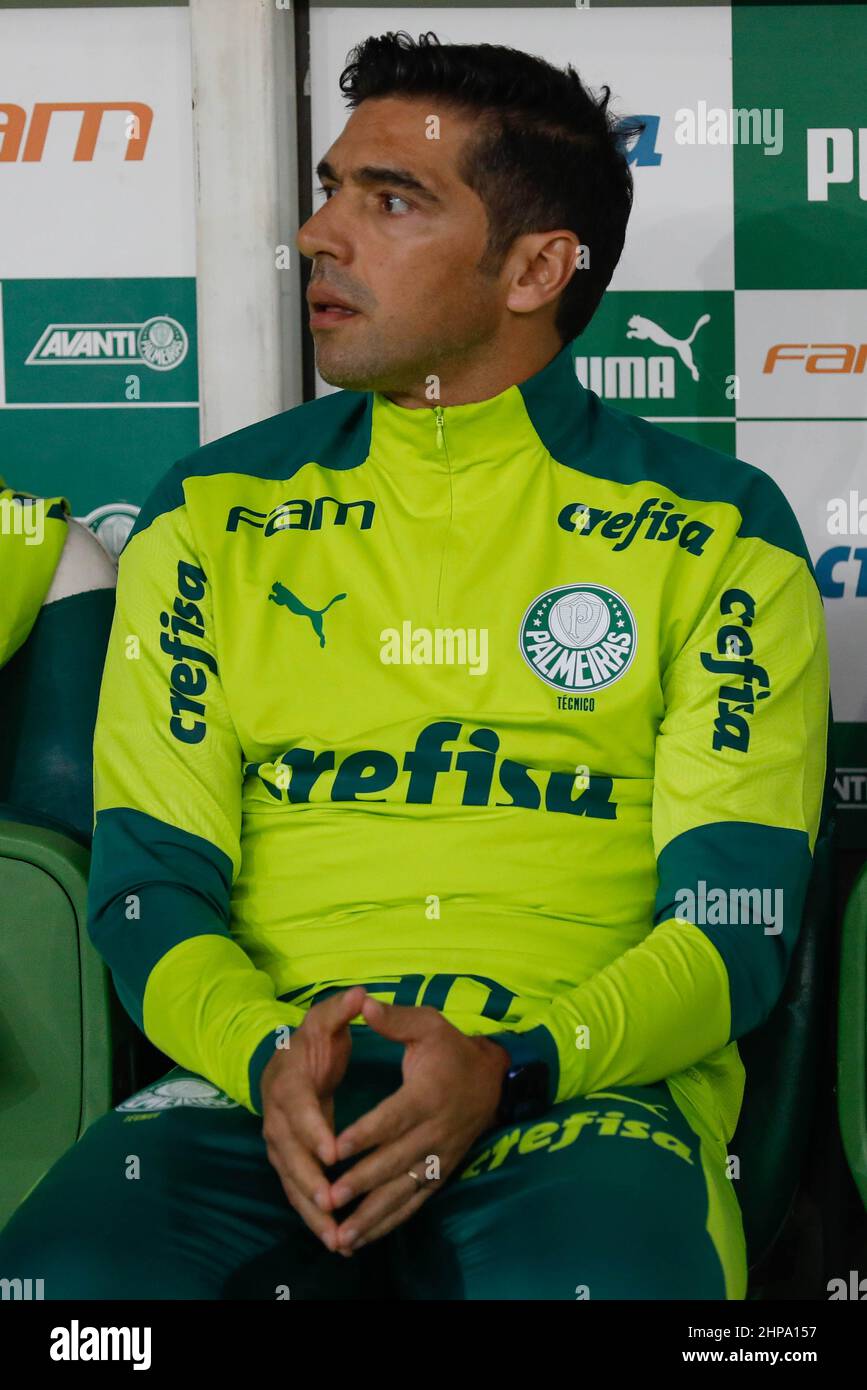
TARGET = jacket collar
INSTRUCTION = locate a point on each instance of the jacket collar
(548, 406)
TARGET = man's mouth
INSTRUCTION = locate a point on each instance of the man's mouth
(327, 311)
(323, 315)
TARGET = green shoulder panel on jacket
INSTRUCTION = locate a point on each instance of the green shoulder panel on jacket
(334, 431)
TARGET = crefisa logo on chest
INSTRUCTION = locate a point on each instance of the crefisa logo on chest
(578, 637)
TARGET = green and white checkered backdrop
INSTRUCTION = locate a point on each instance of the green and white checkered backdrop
(738, 314)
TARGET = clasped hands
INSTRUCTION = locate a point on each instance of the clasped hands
(448, 1097)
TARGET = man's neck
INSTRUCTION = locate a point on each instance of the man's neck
(503, 365)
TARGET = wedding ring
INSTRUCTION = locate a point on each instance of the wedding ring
(416, 1179)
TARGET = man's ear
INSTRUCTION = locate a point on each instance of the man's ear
(543, 263)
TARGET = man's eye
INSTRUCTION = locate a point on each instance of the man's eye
(390, 198)
(326, 192)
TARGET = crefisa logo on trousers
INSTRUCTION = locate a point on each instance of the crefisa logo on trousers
(578, 637)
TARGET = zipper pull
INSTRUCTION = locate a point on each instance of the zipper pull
(438, 412)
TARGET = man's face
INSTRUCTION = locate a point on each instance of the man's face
(399, 238)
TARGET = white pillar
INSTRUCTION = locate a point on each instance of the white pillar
(246, 207)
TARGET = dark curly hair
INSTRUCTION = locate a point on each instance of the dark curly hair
(546, 153)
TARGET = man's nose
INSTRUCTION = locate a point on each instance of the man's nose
(323, 234)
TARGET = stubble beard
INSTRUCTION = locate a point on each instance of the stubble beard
(381, 366)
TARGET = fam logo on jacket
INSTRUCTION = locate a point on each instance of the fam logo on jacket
(578, 637)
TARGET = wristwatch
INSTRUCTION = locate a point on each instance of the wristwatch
(525, 1093)
(529, 1086)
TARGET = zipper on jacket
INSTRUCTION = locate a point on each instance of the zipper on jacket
(438, 415)
(441, 444)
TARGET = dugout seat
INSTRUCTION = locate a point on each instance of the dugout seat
(58, 1020)
(852, 1035)
(785, 1062)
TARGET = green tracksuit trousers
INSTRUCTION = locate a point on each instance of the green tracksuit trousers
(172, 1196)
